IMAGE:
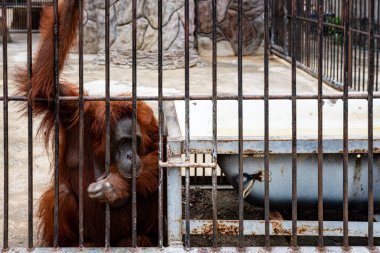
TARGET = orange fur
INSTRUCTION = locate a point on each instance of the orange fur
(41, 87)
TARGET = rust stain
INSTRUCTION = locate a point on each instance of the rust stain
(278, 229)
(302, 230)
(222, 229)
(361, 151)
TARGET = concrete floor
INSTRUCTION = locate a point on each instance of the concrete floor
(200, 83)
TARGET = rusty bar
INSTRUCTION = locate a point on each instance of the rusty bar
(266, 120)
(335, 57)
(160, 132)
(341, 55)
(345, 125)
(325, 38)
(56, 124)
(320, 123)
(377, 62)
(350, 48)
(81, 124)
(308, 35)
(5, 132)
(301, 44)
(377, 46)
(187, 125)
(240, 119)
(214, 124)
(329, 41)
(360, 50)
(356, 51)
(371, 79)
(364, 54)
(314, 43)
(30, 127)
(294, 126)
(107, 118)
(134, 121)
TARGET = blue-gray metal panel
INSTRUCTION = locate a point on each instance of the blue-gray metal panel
(280, 179)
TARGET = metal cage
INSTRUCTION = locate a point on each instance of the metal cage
(301, 32)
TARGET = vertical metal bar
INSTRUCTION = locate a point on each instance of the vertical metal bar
(320, 124)
(5, 118)
(314, 43)
(30, 127)
(350, 50)
(364, 42)
(328, 40)
(371, 78)
(160, 130)
(187, 125)
(266, 121)
(377, 46)
(335, 57)
(81, 124)
(214, 124)
(345, 125)
(240, 116)
(134, 122)
(360, 50)
(341, 55)
(107, 103)
(308, 3)
(56, 124)
(356, 87)
(301, 35)
(294, 127)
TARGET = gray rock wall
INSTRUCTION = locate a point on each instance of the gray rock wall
(147, 25)
(227, 29)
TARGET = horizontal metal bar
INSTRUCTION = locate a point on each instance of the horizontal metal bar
(283, 227)
(24, 5)
(186, 165)
(332, 249)
(21, 31)
(256, 146)
(210, 187)
(352, 95)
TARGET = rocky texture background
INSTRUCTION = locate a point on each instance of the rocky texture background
(227, 31)
(147, 25)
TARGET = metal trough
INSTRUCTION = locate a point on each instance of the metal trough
(307, 180)
(280, 149)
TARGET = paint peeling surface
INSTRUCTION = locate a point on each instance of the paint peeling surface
(282, 227)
